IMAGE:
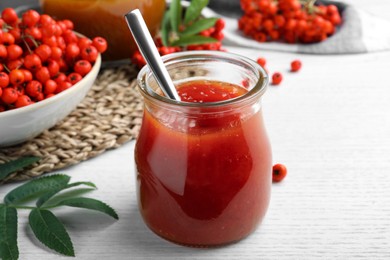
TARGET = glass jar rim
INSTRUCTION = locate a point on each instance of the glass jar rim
(256, 91)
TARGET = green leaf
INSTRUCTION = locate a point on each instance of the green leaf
(15, 165)
(194, 10)
(88, 203)
(175, 14)
(193, 39)
(8, 233)
(36, 188)
(165, 27)
(47, 196)
(199, 26)
(50, 231)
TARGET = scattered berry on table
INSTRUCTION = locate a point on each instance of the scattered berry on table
(279, 172)
(277, 78)
(262, 62)
(296, 65)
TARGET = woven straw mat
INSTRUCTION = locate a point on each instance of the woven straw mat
(109, 116)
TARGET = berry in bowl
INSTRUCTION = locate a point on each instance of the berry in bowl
(46, 69)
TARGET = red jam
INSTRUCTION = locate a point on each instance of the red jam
(208, 183)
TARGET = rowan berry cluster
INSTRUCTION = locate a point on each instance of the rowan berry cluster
(41, 57)
(214, 32)
(290, 21)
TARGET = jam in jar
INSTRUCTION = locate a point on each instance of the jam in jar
(203, 164)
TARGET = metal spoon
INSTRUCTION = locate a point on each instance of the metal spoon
(148, 49)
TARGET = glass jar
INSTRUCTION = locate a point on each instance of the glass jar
(106, 18)
(204, 169)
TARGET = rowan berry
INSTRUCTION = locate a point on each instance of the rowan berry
(40, 97)
(219, 25)
(69, 36)
(279, 172)
(205, 33)
(32, 62)
(16, 33)
(279, 20)
(53, 67)
(100, 44)
(89, 53)
(335, 19)
(331, 9)
(4, 79)
(262, 62)
(33, 88)
(30, 18)
(14, 64)
(64, 67)
(23, 101)
(27, 75)
(296, 65)
(50, 87)
(50, 40)
(68, 24)
(43, 51)
(74, 77)
(16, 77)
(7, 38)
(34, 32)
(20, 89)
(9, 15)
(3, 52)
(60, 77)
(218, 35)
(277, 78)
(61, 43)
(63, 85)
(56, 53)
(9, 95)
(84, 42)
(42, 74)
(72, 50)
(82, 67)
(46, 20)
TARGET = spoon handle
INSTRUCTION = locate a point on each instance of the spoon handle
(148, 49)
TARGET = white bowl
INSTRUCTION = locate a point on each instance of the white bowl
(21, 124)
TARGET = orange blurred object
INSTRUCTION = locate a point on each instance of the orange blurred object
(106, 18)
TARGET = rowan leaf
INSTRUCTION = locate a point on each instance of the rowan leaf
(47, 196)
(89, 203)
(165, 27)
(16, 165)
(198, 26)
(36, 188)
(194, 10)
(193, 39)
(8, 233)
(175, 14)
(50, 231)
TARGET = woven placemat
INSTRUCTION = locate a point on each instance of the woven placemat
(109, 116)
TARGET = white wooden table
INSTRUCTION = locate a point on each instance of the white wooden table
(329, 124)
